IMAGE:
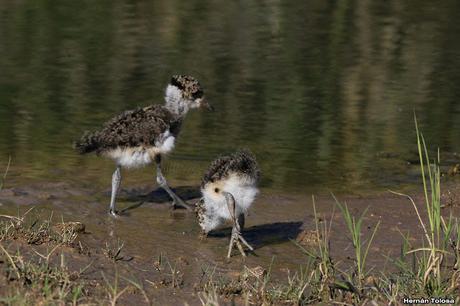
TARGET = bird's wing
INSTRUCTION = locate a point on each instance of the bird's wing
(139, 127)
(242, 162)
(217, 170)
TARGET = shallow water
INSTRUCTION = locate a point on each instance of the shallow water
(322, 92)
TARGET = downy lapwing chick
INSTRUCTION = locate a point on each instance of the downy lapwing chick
(138, 137)
(229, 187)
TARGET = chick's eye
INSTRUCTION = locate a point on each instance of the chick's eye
(216, 190)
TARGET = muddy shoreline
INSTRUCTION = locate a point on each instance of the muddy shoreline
(157, 243)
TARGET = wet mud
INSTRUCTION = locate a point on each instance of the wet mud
(152, 234)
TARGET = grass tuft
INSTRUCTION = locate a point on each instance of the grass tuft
(431, 273)
(39, 279)
(35, 231)
(5, 173)
(361, 249)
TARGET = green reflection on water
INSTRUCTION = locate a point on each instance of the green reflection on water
(318, 90)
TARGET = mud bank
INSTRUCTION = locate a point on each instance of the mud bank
(159, 249)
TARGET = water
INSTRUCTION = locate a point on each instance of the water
(323, 92)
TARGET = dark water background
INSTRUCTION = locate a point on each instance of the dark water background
(322, 91)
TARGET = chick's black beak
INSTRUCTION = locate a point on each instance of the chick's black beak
(204, 104)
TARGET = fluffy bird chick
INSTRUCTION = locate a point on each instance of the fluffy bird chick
(138, 137)
(229, 188)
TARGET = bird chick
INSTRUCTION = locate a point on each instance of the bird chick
(138, 137)
(229, 188)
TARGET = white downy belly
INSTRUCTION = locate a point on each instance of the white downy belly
(140, 156)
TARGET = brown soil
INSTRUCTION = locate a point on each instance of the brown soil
(162, 251)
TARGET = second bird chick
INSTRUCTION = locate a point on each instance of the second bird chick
(229, 188)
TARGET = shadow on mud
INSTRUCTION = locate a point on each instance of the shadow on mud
(265, 234)
(190, 194)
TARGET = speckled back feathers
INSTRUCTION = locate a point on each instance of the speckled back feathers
(139, 127)
(242, 162)
(190, 87)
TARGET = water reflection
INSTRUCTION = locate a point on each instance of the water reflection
(323, 92)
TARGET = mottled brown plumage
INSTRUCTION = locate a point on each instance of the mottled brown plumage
(191, 87)
(242, 163)
(139, 127)
(200, 211)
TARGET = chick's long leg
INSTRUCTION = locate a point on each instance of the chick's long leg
(116, 180)
(161, 180)
(238, 223)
